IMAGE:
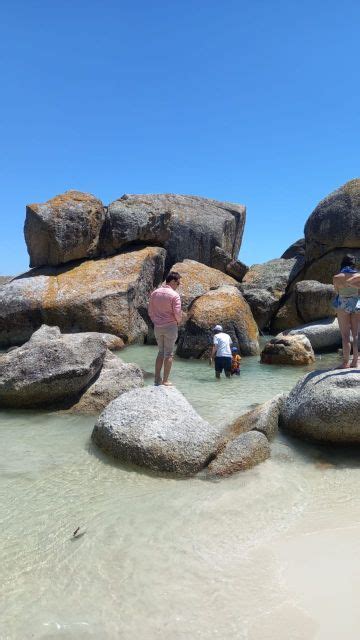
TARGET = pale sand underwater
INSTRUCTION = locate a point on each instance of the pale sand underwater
(269, 554)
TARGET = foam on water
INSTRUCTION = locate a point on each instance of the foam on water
(168, 558)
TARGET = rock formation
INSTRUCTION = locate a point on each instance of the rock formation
(75, 225)
(105, 295)
(288, 349)
(324, 405)
(65, 228)
(156, 428)
(197, 279)
(64, 371)
(264, 285)
(224, 305)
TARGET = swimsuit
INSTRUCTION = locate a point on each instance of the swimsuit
(348, 299)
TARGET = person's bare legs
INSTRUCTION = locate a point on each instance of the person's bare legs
(168, 360)
(158, 366)
(345, 327)
(355, 320)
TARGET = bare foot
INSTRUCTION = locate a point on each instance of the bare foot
(354, 364)
(167, 384)
(345, 365)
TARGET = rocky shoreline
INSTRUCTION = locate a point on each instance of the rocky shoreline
(94, 267)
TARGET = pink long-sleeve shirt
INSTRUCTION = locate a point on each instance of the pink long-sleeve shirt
(164, 306)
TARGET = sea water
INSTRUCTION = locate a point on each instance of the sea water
(269, 554)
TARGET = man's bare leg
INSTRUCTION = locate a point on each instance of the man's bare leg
(158, 366)
(168, 360)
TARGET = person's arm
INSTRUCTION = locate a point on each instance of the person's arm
(151, 309)
(213, 353)
(176, 307)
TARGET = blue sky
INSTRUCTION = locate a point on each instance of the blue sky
(251, 102)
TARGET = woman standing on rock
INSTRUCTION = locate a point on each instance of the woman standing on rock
(347, 304)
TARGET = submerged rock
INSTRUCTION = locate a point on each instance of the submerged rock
(324, 405)
(157, 428)
(288, 349)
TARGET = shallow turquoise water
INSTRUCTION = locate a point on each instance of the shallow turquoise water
(165, 558)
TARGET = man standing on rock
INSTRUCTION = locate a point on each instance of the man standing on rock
(165, 312)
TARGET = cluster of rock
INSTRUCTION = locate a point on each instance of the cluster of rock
(158, 429)
(331, 231)
(95, 267)
(76, 372)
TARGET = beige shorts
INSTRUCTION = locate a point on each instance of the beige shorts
(166, 337)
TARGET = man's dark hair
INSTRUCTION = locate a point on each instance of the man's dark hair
(173, 275)
(348, 261)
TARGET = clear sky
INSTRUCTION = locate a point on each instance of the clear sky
(253, 101)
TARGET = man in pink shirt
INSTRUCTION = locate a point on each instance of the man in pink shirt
(165, 312)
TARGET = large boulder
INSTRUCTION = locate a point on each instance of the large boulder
(224, 305)
(263, 304)
(107, 295)
(314, 300)
(114, 343)
(49, 369)
(156, 428)
(324, 268)
(324, 335)
(309, 300)
(325, 406)
(335, 222)
(273, 275)
(116, 377)
(187, 226)
(197, 279)
(264, 285)
(289, 349)
(64, 228)
(240, 454)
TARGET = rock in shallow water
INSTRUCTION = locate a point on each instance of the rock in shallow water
(157, 428)
(50, 368)
(288, 349)
(324, 405)
(244, 452)
(116, 377)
